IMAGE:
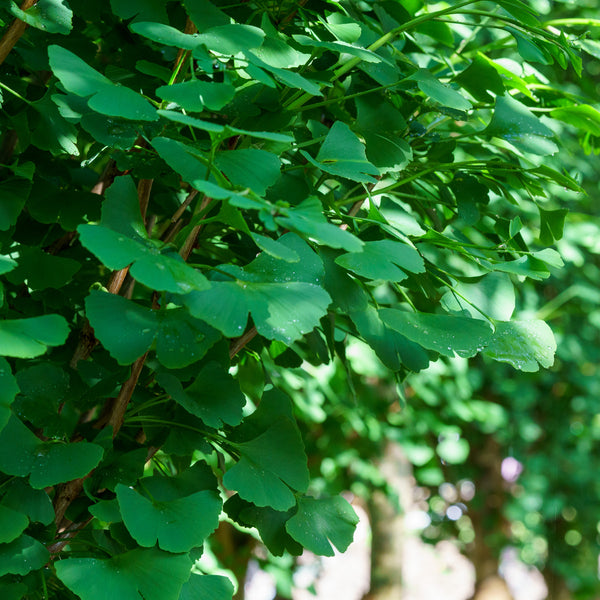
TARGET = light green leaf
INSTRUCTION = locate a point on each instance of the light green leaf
(128, 330)
(342, 154)
(513, 122)
(274, 248)
(307, 218)
(27, 338)
(383, 259)
(12, 524)
(322, 523)
(214, 396)
(339, 48)
(165, 34)
(436, 90)
(523, 344)
(121, 239)
(269, 464)
(446, 334)
(7, 264)
(207, 587)
(284, 299)
(22, 556)
(47, 463)
(52, 16)
(582, 116)
(453, 450)
(142, 573)
(195, 95)
(494, 294)
(232, 38)
(8, 390)
(178, 525)
(552, 224)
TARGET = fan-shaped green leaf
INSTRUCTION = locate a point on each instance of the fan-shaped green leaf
(284, 298)
(343, 154)
(40, 270)
(53, 16)
(36, 504)
(27, 338)
(12, 524)
(47, 463)
(214, 396)
(523, 344)
(207, 587)
(195, 95)
(250, 167)
(23, 555)
(178, 525)
(322, 523)
(436, 90)
(446, 334)
(143, 573)
(128, 330)
(382, 259)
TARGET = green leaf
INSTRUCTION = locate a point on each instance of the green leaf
(384, 259)
(52, 16)
(523, 344)
(8, 390)
(12, 591)
(250, 168)
(231, 38)
(128, 330)
(22, 556)
(47, 463)
(322, 523)
(270, 524)
(195, 95)
(493, 294)
(104, 96)
(529, 49)
(178, 525)
(582, 116)
(342, 154)
(14, 193)
(40, 270)
(274, 248)
(205, 14)
(27, 338)
(552, 223)
(165, 34)
(214, 396)
(436, 90)
(142, 573)
(446, 334)
(36, 504)
(142, 10)
(284, 299)
(7, 264)
(339, 48)
(479, 79)
(307, 218)
(512, 121)
(121, 239)
(12, 524)
(453, 450)
(207, 587)
(269, 464)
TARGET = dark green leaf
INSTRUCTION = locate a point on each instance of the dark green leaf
(12, 524)
(36, 504)
(47, 463)
(552, 223)
(436, 90)
(322, 523)
(250, 168)
(214, 396)
(14, 193)
(22, 556)
(8, 390)
(128, 330)
(40, 270)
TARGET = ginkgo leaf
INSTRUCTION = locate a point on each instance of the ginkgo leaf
(284, 299)
(8, 390)
(142, 573)
(46, 463)
(343, 154)
(27, 338)
(322, 523)
(23, 555)
(177, 526)
(207, 587)
(121, 239)
(128, 330)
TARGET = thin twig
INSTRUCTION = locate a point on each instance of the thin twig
(14, 32)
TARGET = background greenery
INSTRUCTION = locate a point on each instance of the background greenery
(245, 247)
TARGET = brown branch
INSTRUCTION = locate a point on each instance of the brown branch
(239, 343)
(65, 494)
(143, 189)
(190, 241)
(13, 33)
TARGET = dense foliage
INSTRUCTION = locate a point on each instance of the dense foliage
(199, 198)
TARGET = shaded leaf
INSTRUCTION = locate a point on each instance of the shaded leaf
(36, 504)
(552, 223)
(128, 330)
(12, 524)
(47, 463)
(23, 555)
(40, 270)
(322, 523)
(8, 390)
(436, 90)
(14, 193)
(250, 168)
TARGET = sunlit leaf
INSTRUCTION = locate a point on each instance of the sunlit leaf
(27, 338)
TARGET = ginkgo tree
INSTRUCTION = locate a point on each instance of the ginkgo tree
(197, 194)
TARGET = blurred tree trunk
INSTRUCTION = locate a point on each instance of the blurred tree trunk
(387, 527)
(557, 586)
